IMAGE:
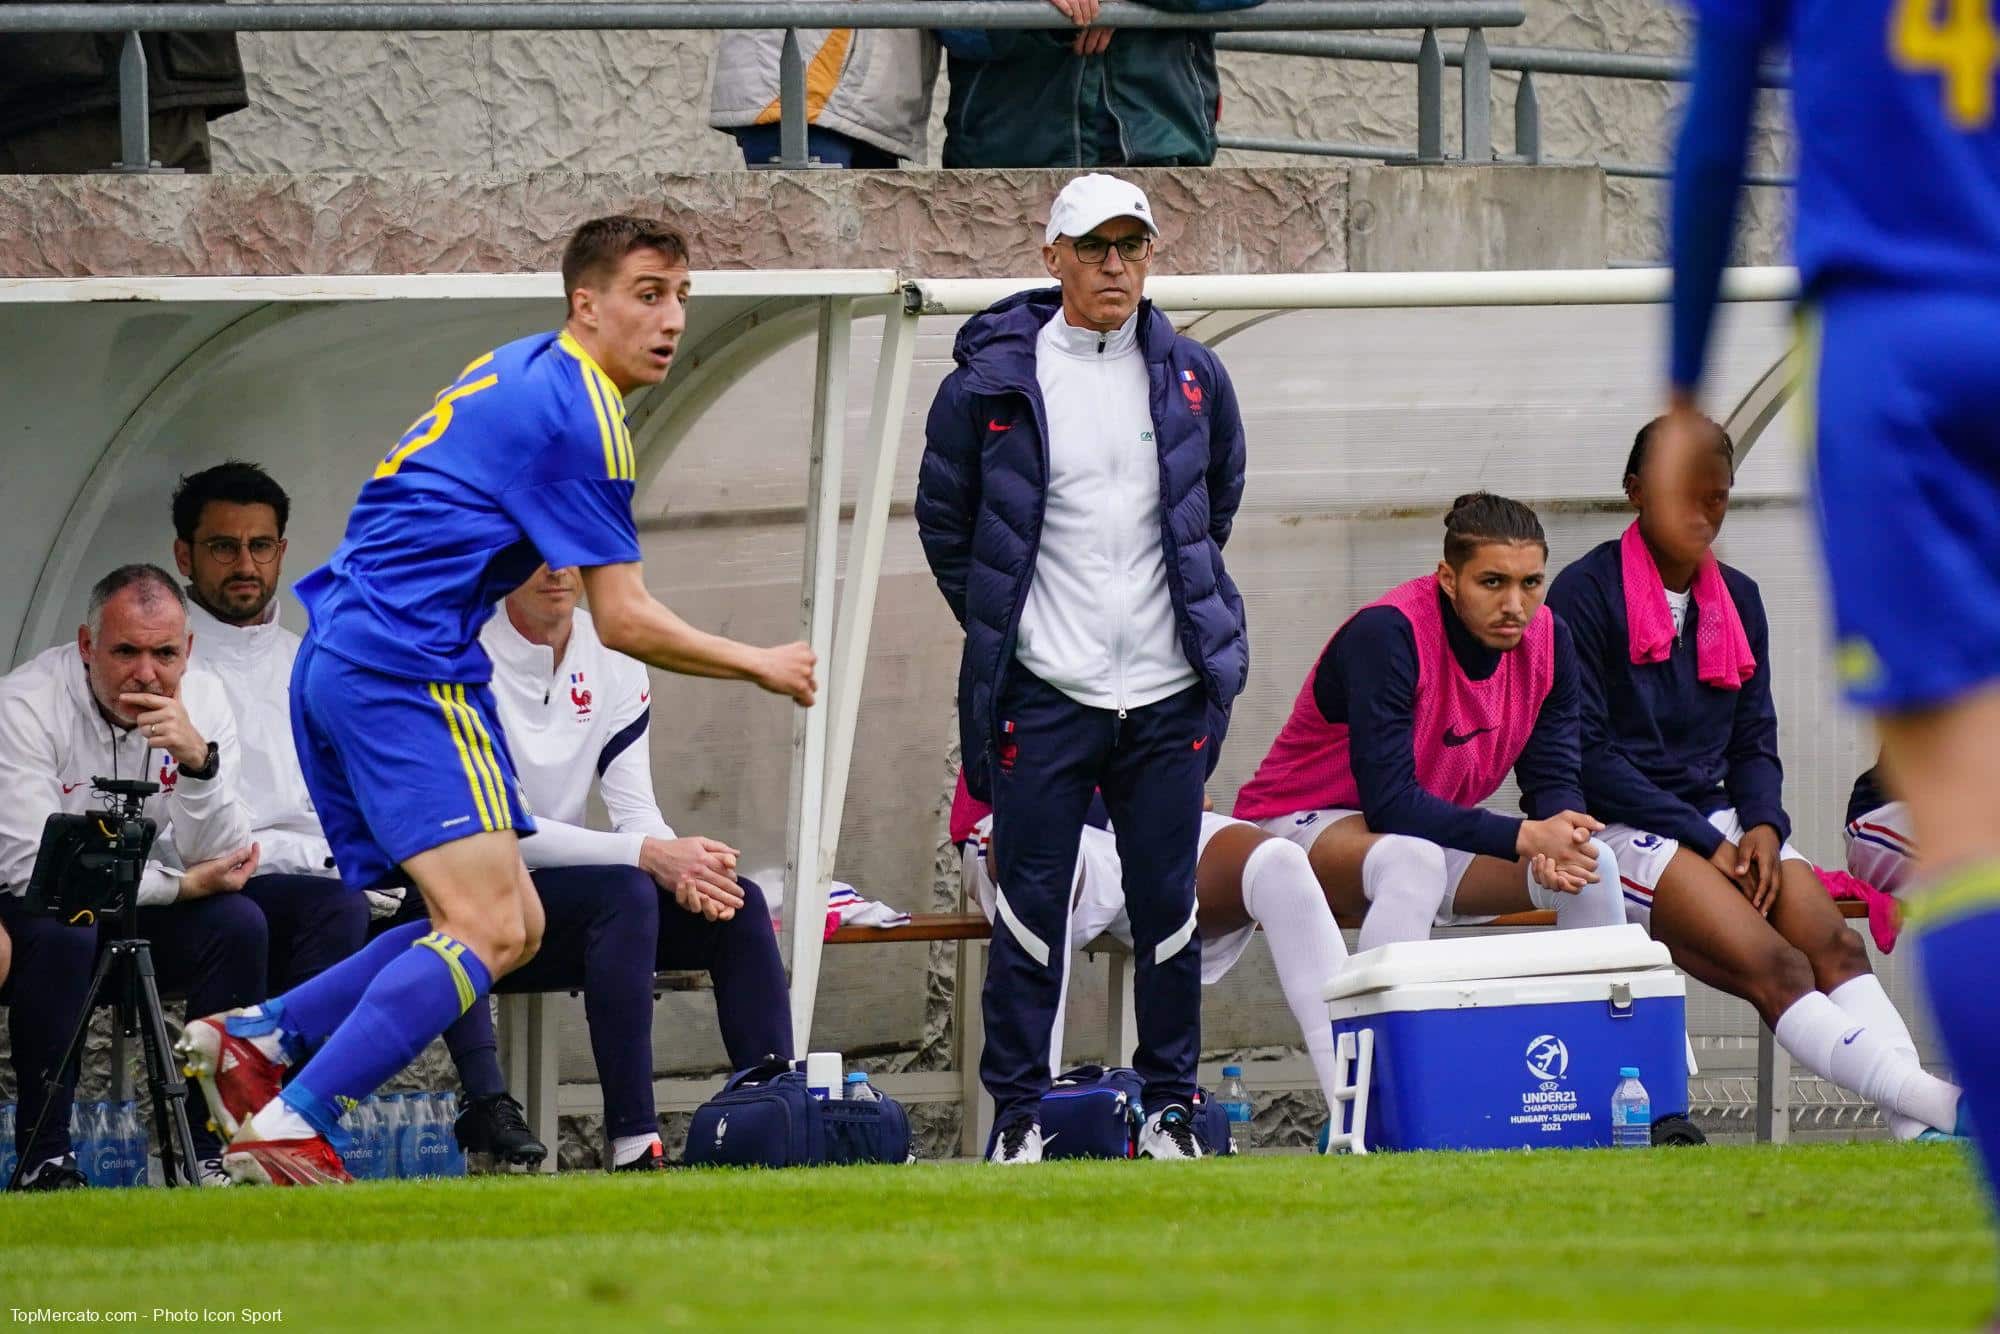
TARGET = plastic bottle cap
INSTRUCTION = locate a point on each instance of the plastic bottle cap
(1628, 1072)
(856, 1077)
(1232, 1072)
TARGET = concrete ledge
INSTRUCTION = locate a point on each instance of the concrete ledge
(941, 224)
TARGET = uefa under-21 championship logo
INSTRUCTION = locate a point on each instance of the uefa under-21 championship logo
(1548, 1057)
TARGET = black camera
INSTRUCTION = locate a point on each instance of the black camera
(89, 865)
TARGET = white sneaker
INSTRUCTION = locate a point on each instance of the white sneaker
(208, 1172)
(1169, 1133)
(1019, 1142)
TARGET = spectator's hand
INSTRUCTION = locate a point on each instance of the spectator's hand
(699, 872)
(384, 902)
(788, 670)
(1092, 41)
(164, 722)
(1757, 867)
(1559, 851)
(220, 875)
(1080, 12)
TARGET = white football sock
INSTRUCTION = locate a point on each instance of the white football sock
(1403, 879)
(1601, 904)
(1831, 1043)
(1281, 891)
(277, 1120)
(631, 1148)
(1864, 999)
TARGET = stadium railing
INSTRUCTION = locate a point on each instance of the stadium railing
(1296, 17)
(1476, 60)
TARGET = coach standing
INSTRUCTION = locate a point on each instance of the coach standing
(1082, 468)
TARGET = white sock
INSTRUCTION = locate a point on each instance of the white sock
(1403, 879)
(277, 1120)
(1863, 998)
(1601, 904)
(1831, 1043)
(1281, 891)
(631, 1148)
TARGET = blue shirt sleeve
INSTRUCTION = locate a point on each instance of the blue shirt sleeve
(1730, 38)
(1369, 673)
(1550, 768)
(1617, 790)
(1756, 778)
(573, 497)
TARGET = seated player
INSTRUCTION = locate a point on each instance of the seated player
(1680, 743)
(1881, 842)
(1416, 710)
(1243, 877)
(576, 712)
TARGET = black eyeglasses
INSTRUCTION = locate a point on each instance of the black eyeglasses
(226, 550)
(1093, 249)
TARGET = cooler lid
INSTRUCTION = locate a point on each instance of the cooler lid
(1597, 949)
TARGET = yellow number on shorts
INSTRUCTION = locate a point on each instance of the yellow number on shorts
(426, 429)
(1963, 49)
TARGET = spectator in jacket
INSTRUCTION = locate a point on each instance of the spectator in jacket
(1145, 97)
(121, 702)
(1104, 642)
(868, 94)
(59, 98)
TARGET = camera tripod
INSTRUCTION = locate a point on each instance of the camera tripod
(124, 977)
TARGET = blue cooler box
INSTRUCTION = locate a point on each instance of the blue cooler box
(1506, 1041)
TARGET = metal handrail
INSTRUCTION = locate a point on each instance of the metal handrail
(1288, 16)
(1475, 54)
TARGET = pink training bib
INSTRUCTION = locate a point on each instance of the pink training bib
(1466, 733)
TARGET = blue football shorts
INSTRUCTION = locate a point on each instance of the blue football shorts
(1906, 423)
(396, 766)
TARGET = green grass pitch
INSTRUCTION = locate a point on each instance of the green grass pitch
(1820, 1237)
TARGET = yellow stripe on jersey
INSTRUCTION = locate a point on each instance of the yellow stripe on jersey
(442, 696)
(439, 418)
(489, 764)
(448, 949)
(627, 469)
(609, 405)
(1966, 892)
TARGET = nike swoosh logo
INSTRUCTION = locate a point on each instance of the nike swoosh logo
(1452, 738)
(1848, 1041)
(1199, 744)
(992, 425)
(70, 787)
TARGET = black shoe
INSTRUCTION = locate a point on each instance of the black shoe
(493, 1129)
(56, 1176)
(1677, 1130)
(654, 1159)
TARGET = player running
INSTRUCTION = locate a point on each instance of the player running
(1897, 242)
(1416, 710)
(1680, 756)
(525, 459)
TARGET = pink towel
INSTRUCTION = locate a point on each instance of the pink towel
(1885, 918)
(1721, 650)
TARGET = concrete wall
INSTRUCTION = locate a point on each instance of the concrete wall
(624, 102)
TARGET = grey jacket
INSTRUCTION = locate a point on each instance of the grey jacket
(870, 84)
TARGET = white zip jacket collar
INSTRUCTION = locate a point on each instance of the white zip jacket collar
(569, 724)
(1099, 620)
(254, 664)
(54, 740)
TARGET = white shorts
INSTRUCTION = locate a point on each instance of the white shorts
(1882, 847)
(1305, 828)
(1643, 857)
(1098, 908)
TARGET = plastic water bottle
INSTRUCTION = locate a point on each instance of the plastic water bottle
(1234, 1098)
(451, 1161)
(132, 1130)
(1631, 1112)
(107, 1146)
(434, 1137)
(363, 1154)
(394, 1117)
(83, 1140)
(859, 1089)
(8, 1157)
(410, 1135)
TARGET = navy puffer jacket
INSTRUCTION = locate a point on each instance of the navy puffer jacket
(982, 489)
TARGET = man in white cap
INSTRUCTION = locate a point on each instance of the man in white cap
(1082, 468)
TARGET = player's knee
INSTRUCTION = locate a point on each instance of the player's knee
(755, 906)
(627, 895)
(1842, 953)
(1780, 974)
(1278, 870)
(1409, 870)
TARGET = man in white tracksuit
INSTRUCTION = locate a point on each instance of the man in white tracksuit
(121, 702)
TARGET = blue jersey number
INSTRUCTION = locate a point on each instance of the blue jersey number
(427, 429)
(1962, 48)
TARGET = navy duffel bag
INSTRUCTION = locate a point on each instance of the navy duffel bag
(765, 1118)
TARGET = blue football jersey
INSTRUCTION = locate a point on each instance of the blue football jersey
(1899, 157)
(523, 459)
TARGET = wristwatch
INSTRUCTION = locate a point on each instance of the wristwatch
(209, 768)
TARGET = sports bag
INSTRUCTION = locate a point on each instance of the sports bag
(1094, 1111)
(765, 1118)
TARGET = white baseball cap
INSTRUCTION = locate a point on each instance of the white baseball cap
(1090, 200)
